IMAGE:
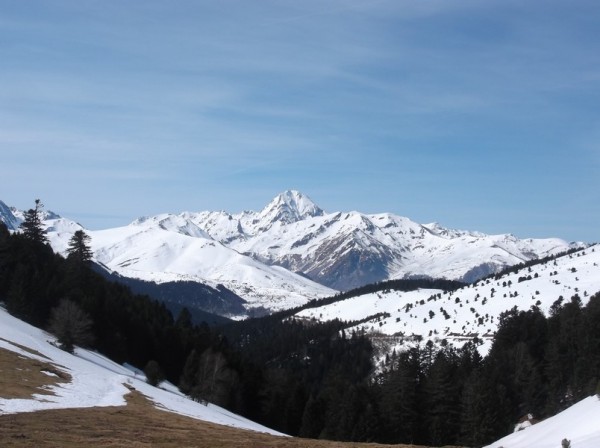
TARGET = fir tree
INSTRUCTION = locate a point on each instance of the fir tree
(79, 248)
(32, 224)
(312, 418)
(4, 233)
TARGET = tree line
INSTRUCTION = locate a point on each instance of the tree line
(536, 365)
(312, 379)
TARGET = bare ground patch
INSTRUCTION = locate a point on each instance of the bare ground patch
(26, 349)
(22, 377)
(137, 425)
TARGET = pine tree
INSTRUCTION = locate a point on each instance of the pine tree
(400, 398)
(79, 248)
(442, 396)
(4, 233)
(184, 319)
(312, 418)
(18, 295)
(32, 224)
(477, 411)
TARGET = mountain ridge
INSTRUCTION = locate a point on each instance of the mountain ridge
(293, 251)
(344, 250)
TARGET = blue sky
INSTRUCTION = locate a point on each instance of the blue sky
(478, 115)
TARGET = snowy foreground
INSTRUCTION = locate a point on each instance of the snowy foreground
(97, 381)
(580, 424)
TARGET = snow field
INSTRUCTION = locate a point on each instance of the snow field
(97, 381)
(580, 424)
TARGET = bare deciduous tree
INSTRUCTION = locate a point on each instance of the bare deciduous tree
(71, 325)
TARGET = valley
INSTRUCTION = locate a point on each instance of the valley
(409, 358)
(299, 224)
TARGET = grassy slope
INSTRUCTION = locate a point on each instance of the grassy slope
(139, 424)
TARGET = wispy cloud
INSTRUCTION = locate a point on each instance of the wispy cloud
(154, 100)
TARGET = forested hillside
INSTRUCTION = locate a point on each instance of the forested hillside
(35, 282)
(316, 379)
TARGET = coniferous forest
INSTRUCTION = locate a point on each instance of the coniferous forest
(312, 379)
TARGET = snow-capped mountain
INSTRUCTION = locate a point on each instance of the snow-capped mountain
(282, 256)
(288, 207)
(399, 318)
(173, 248)
(13, 217)
(7, 216)
(347, 250)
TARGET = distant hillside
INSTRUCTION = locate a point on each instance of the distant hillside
(470, 312)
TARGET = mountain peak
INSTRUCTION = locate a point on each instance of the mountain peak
(290, 206)
(7, 217)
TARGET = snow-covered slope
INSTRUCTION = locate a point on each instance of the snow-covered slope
(471, 311)
(170, 248)
(579, 424)
(96, 381)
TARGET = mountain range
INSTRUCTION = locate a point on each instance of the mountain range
(345, 250)
(184, 250)
(291, 251)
